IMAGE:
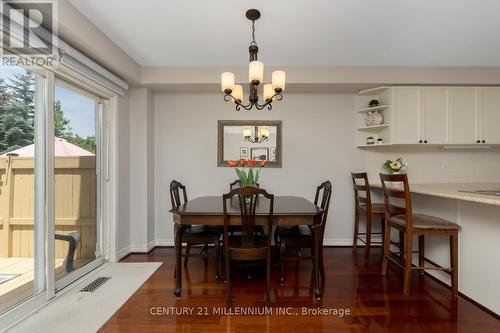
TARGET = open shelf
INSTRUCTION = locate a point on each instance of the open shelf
(374, 145)
(367, 128)
(383, 131)
(374, 108)
(373, 91)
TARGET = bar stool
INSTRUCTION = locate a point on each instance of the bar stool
(403, 219)
(365, 207)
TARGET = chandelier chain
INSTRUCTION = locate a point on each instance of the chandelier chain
(253, 34)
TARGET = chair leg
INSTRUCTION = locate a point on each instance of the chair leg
(454, 262)
(387, 243)
(368, 236)
(282, 264)
(268, 279)
(217, 260)
(277, 243)
(188, 251)
(408, 262)
(356, 230)
(228, 283)
(421, 253)
(321, 263)
(382, 222)
(401, 247)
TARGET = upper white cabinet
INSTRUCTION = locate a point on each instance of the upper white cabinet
(421, 115)
(434, 115)
(406, 115)
(418, 115)
(464, 115)
(489, 115)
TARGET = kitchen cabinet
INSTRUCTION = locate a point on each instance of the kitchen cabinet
(489, 115)
(464, 115)
(406, 115)
(434, 115)
(421, 115)
(437, 115)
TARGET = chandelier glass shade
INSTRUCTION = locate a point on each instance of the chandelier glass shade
(260, 134)
(271, 91)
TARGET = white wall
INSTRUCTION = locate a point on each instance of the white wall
(437, 165)
(141, 170)
(318, 141)
(123, 165)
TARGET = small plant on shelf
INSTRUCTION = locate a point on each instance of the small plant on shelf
(399, 165)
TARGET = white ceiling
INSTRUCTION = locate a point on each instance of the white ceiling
(302, 32)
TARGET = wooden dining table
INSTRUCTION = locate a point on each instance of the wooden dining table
(288, 210)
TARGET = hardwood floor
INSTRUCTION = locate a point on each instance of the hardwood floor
(376, 303)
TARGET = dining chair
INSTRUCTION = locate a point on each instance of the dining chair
(195, 235)
(249, 246)
(237, 228)
(363, 206)
(301, 236)
(396, 188)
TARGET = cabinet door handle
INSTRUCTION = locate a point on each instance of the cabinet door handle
(478, 141)
(425, 141)
(484, 141)
(419, 141)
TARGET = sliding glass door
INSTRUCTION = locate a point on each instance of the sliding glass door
(77, 115)
(22, 245)
(50, 186)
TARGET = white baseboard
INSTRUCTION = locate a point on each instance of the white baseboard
(170, 242)
(142, 248)
(337, 242)
(164, 242)
(123, 253)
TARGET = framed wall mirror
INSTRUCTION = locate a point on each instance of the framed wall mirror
(246, 139)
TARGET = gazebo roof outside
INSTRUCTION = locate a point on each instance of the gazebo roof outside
(61, 148)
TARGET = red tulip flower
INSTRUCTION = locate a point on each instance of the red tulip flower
(242, 162)
(232, 163)
(251, 163)
(262, 163)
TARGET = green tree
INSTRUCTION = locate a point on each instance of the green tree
(87, 143)
(61, 123)
(17, 111)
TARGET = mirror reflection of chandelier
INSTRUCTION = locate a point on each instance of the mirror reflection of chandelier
(271, 91)
(260, 134)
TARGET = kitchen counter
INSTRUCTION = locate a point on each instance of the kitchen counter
(452, 191)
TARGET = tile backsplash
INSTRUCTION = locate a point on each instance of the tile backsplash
(439, 165)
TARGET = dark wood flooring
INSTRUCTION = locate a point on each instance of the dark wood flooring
(376, 303)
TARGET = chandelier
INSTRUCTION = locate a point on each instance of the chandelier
(271, 91)
(261, 134)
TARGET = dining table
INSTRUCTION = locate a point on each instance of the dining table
(208, 210)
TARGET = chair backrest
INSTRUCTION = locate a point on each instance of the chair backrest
(324, 190)
(247, 200)
(396, 188)
(237, 184)
(362, 195)
(175, 196)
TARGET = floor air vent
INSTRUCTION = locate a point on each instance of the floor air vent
(92, 286)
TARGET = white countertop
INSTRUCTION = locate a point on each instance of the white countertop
(452, 191)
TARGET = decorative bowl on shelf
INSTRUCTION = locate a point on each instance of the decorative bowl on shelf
(374, 118)
(374, 103)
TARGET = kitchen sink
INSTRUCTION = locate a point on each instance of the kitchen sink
(484, 192)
